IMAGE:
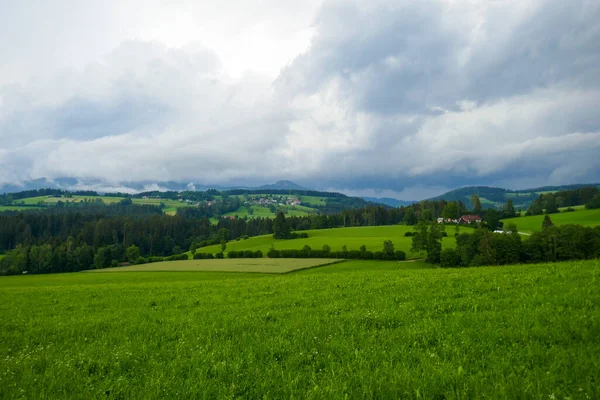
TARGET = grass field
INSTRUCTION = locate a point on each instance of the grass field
(264, 212)
(351, 330)
(372, 237)
(270, 266)
(534, 223)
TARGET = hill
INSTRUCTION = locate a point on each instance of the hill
(533, 223)
(388, 201)
(282, 185)
(370, 236)
(493, 197)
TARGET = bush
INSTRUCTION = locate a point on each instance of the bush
(407, 234)
(273, 253)
(203, 256)
(219, 255)
(258, 254)
(400, 255)
(449, 258)
(444, 234)
(141, 260)
(245, 237)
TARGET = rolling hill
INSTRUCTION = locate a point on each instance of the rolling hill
(493, 197)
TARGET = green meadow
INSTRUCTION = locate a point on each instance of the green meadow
(270, 266)
(355, 330)
(534, 223)
(264, 212)
(371, 236)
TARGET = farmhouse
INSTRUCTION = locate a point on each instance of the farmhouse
(469, 219)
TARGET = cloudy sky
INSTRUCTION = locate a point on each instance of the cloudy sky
(393, 98)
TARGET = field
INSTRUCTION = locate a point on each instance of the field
(270, 266)
(264, 212)
(534, 223)
(351, 330)
(372, 237)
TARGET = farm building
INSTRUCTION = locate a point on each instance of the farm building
(469, 219)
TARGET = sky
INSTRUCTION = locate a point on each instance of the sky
(385, 98)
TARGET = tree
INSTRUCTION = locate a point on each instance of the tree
(388, 248)
(449, 258)
(419, 240)
(223, 246)
(492, 219)
(193, 248)
(475, 203)
(451, 211)
(410, 217)
(551, 207)
(508, 211)
(434, 243)
(132, 253)
(326, 249)
(281, 228)
(547, 223)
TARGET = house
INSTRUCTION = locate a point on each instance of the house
(440, 220)
(469, 219)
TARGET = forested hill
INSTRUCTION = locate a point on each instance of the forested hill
(493, 197)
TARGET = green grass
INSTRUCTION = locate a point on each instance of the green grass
(264, 212)
(372, 237)
(271, 266)
(313, 200)
(534, 223)
(351, 330)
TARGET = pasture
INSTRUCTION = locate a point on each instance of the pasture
(534, 223)
(270, 266)
(351, 330)
(371, 236)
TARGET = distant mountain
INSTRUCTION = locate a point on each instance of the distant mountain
(282, 185)
(388, 201)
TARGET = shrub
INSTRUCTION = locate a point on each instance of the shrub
(400, 255)
(449, 258)
(258, 254)
(407, 234)
(219, 255)
(141, 260)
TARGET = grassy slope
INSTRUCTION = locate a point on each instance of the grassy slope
(360, 329)
(534, 223)
(372, 237)
(271, 266)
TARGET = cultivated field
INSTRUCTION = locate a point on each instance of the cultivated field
(534, 223)
(351, 330)
(372, 237)
(271, 266)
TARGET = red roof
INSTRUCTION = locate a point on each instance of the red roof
(470, 218)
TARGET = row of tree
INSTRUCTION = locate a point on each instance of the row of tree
(549, 203)
(554, 243)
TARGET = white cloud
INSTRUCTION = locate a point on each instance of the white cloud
(391, 96)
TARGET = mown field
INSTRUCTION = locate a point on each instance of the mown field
(351, 330)
(264, 212)
(534, 223)
(270, 266)
(372, 237)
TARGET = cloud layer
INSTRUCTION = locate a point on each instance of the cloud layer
(395, 96)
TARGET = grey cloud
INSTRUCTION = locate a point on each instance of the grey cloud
(409, 97)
